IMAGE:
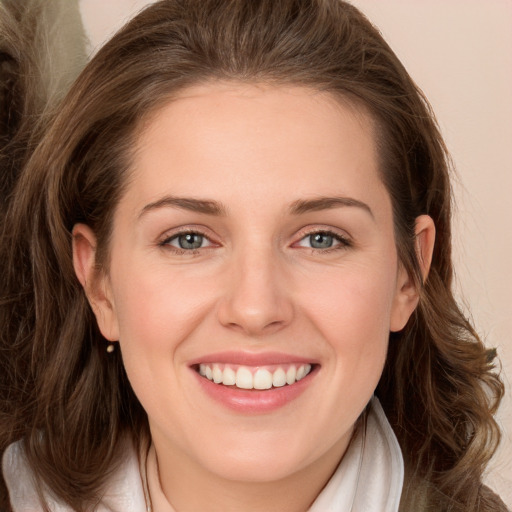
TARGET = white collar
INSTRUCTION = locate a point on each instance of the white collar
(368, 479)
(371, 473)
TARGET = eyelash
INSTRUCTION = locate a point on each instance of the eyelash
(344, 242)
(166, 243)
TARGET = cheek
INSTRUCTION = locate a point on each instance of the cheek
(353, 315)
(354, 304)
(155, 309)
(157, 314)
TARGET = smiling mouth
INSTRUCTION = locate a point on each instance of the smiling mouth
(251, 377)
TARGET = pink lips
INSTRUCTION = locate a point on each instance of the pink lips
(251, 359)
(253, 401)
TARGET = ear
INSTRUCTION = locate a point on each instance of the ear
(95, 283)
(407, 293)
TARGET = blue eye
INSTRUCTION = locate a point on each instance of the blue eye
(188, 241)
(323, 240)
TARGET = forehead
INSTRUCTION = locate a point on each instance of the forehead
(258, 106)
(251, 138)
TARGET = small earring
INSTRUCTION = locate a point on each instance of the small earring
(110, 348)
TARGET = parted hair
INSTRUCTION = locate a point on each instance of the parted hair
(66, 398)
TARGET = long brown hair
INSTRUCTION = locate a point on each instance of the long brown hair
(70, 403)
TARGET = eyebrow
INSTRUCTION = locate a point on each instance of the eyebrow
(209, 207)
(186, 203)
(326, 203)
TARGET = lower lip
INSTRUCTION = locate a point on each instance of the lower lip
(255, 401)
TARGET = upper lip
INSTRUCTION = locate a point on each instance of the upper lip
(252, 358)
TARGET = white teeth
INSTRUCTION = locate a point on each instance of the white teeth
(217, 374)
(279, 378)
(262, 379)
(303, 371)
(245, 377)
(291, 374)
(229, 378)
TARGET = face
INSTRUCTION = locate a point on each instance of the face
(253, 279)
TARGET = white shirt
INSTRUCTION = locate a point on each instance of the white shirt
(369, 478)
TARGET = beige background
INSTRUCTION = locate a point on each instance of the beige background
(460, 54)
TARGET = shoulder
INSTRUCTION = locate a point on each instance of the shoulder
(19, 479)
(491, 502)
(123, 490)
(425, 498)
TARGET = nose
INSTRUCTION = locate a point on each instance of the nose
(257, 300)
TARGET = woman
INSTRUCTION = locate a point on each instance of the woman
(234, 232)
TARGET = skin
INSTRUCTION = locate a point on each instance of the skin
(256, 285)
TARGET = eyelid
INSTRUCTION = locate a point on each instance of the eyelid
(344, 239)
(170, 241)
(167, 236)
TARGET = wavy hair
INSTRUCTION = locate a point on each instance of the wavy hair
(70, 403)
